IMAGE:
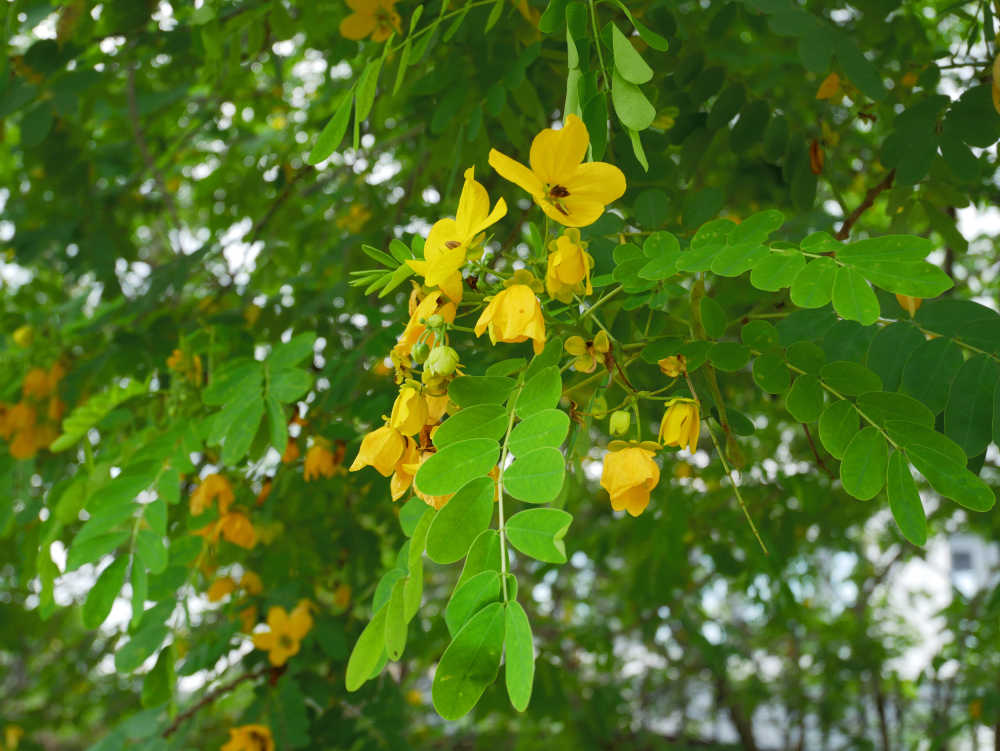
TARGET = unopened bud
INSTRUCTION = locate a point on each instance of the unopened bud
(599, 408)
(24, 336)
(441, 361)
(435, 321)
(419, 352)
(619, 423)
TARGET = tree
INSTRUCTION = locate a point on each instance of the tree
(560, 372)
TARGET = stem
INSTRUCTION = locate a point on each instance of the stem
(729, 471)
(504, 452)
(597, 43)
(600, 302)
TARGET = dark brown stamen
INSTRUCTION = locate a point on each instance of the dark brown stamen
(452, 244)
(558, 191)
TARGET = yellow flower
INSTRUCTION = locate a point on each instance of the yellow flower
(251, 583)
(248, 619)
(36, 384)
(514, 315)
(829, 88)
(672, 366)
(291, 452)
(588, 353)
(238, 529)
(57, 407)
(265, 491)
(319, 461)
(449, 240)
(12, 735)
(523, 276)
(188, 366)
(404, 469)
(436, 407)
(435, 501)
(680, 424)
(629, 475)
(25, 443)
(568, 270)
(409, 412)
(249, 738)
(21, 416)
(24, 336)
(213, 487)
(342, 596)
(377, 18)
(380, 449)
(909, 304)
(220, 588)
(572, 193)
(355, 219)
(430, 305)
(286, 632)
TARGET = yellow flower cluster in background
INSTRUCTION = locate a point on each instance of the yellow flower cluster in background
(285, 632)
(249, 738)
(186, 365)
(33, 423)
(375, 18)
(233, 526)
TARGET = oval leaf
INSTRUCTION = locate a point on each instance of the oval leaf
(457, 464)
(469, 664)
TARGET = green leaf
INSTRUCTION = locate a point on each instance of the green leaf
(418, 540)
(150, 548)
(904, 500)
(805, 399)
(542, 391)
(86, 416)
(484, 555)
(628, 62)
(729, 356)
(460, 521)
(155, 513)
(837, 426)
(738, 259)
(778, 270)
(292, 352)
(456, 464)
(471, 597)
(770, 373)
(927, 441)
(863, 466)
(277, 423)
(519, 667)
(813, 285)
(466, 391)
(968, 417)
(916, 278)
(536, 476)
(849, 378)
(367, 652)
(663, 250)
(713, 317)
(334, 131)
(97, 606)
(237, 380)
(853, 299)
(859, 70)
(973, 118)
(140, 590)
(93, 549)
(477, 421)
(882, 406)
(470, 663)
(289, 384)
(886, 249)
(727, 106)
(890, 349)
(553, 17)
(928, 374)
(494, 16)
(760, 335)
(631, 105)
(367, 84)
(411, 514)
(548, 427)
(142, 644)
(158, 685)
(539, 533)
(241, 433)
(395, 622)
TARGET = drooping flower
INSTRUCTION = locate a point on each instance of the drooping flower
(588, 353)
(910, 304)
(237, 528)
(251, 583)
(430, 305)
(286, 631)
(672, 366)
(402, 477)
(319, 462)
(221, 587)
(569, 265)
(291, 452)
(36, 384)
(680, 425)
(567, 190)
(629, 475)
(409, 412)
(377, 18)
(248, 619)
(25, 443)
(449, 240)
(249, 738)
(514, 315)
(381, 449)
(214, 487)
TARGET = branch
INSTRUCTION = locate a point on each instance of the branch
(819, 461)
(211, 696)
(870, 196)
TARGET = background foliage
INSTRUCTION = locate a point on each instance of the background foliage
(196, 184)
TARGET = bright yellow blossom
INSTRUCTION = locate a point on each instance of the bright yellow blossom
(251, 583)
(629, 475)
(449, 240)
(514, 315)
(409, 412)
(249, 738)
(237, 528)
(221, 587)
(319, 462)
(427, 307)
(572, 193)
(12, 735)
(680, 424)
(402, 477)
(588, 353)
(377, 18)
(214, 487)
(569, 265)
(36, 384)
(286, 632)
(672, 366)
(380, 449)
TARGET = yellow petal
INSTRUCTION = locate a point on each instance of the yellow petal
(357, 26)
(576, 345)
(516, 173)
(556, 154)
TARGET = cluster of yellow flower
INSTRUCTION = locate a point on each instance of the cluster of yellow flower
(249, 738)
(285, 632)
(33, 423)
(186, 365)
(234, 526)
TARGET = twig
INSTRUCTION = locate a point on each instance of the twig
(211, 696)
(819, 460)
(845, 229)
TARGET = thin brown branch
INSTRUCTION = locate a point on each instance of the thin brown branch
(211, 696)
(845, 229)
(819, 460)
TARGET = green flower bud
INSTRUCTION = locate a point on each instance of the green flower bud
(435, 321)
(419, 352)
(619, 423)
(441, 361)
(599, 407)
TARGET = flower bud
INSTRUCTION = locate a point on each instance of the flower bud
(419, 352)
(599, 407)
(441, 361)
(619, 423)
(435, 321)
(24, 336)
